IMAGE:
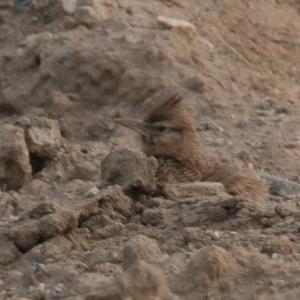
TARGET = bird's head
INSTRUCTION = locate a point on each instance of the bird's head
(167, 131)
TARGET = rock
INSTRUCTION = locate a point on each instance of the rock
(109, 293)
(111, 204)
(275, 256)
(36, 187)
(69, 6)
(265, 104)
(281, 110)
(115, 198)
(152, 216)
(108, 231)
(144, 281)
(258, 122)
(60, 103)
(8, 252)
(279, 245)
(141, 248)
(15, 276)
(244, 156)
(209, 126)
(43, 137)
(89, 15)
(176, 24)
(141, 281)
(92, 3)
(211, 268)
(42, 4)
(93, 191)
(279, 186)
(45, 221)
(195, 84)
(194, 234)
(183, 190)
(34, 40)
(130, 169)
(6, 208)
(15, 167)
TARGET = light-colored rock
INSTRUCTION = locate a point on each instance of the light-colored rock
(34, 40)
(42, 4)
(87, 15)
(69, 6)
(44, 138)
(15, 167)
(197, 188)
(175, 23)
(90, 12)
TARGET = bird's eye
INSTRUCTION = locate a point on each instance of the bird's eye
(160, 128)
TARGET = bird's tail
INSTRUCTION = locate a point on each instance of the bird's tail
(238, 180)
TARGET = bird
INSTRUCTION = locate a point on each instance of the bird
(169, 133)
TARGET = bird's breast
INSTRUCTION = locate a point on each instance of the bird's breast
(172, 171)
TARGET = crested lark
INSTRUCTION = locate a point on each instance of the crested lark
(170, 135)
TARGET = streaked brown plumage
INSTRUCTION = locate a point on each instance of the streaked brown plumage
(169, 134)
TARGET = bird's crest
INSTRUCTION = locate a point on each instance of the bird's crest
(166, 109)
(171, 102)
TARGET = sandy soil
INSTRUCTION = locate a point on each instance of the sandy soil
(67, 71)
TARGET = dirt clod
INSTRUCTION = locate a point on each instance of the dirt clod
(130, 169)
(43, 138)
(141, 248)
(15, 167)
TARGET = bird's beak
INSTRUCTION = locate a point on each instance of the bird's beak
(134, 125)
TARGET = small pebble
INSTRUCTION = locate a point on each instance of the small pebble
(174, 270)
(281, 110)
(57, 291)
(37, 268)
(93, 191)
(174, 23)
(209, 126)
(3, 223)
(244, 156)
(275, 256)
(13, 218)
(265, 104)
(41, 286)
(215, 235)
(69, 6)
(80, 266)
(115, 257)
